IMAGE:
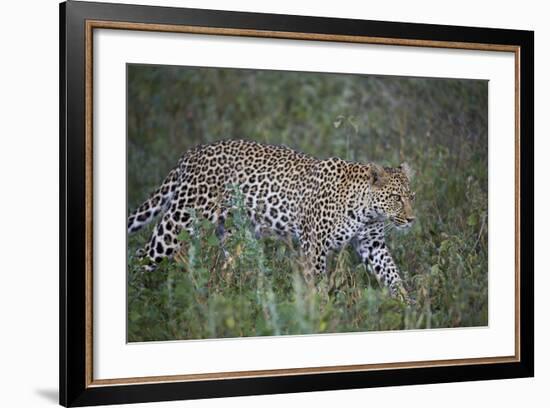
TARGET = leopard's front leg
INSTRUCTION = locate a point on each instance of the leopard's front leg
(315, 260)
(371, 246)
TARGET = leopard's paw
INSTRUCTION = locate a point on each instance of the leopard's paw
(398, 291)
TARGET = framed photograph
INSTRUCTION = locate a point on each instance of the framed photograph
(256, 203)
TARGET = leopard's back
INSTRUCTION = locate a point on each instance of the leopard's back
(269, 178)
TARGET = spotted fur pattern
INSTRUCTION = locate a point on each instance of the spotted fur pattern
(325, 204)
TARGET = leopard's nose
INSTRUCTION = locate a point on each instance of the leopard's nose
(411, 219)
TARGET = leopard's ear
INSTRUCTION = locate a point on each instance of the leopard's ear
(407, 170)
(377, 175)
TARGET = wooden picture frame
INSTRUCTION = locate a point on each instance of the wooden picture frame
(78, 20)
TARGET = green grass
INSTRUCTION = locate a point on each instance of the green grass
(438, 126)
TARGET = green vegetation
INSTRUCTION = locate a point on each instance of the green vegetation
(439, 126)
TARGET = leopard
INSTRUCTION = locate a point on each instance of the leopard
(324, 204)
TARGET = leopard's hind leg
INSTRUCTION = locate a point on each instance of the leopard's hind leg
(164, 241)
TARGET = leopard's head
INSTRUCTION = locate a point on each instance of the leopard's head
(391, 195)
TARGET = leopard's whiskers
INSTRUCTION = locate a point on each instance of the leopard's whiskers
(388, 227)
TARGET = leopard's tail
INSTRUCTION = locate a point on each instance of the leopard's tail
(157, 202)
